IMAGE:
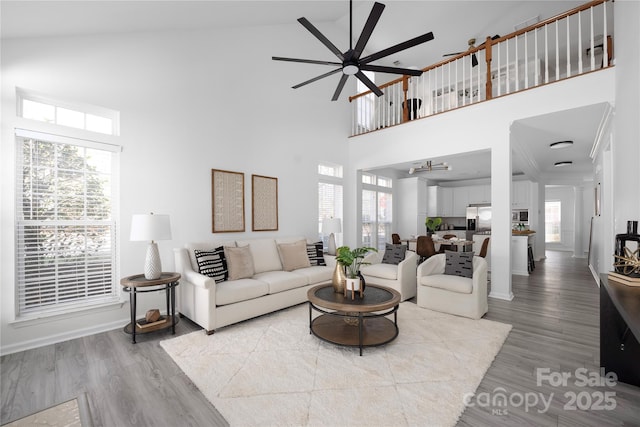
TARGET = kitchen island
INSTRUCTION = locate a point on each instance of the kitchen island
(520, 242)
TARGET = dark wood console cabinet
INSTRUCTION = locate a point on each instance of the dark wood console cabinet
(620, 330)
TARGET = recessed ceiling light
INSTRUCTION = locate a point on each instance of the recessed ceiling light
(563, 163)
(561, 144)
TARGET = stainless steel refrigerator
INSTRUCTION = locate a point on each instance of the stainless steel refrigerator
(478, 220)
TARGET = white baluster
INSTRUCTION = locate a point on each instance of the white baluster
(605, 39)
(507, 81)
(517, 68)
(579, 43)
(593, 51)
(557, 52)
(568, 49)
(525, 60)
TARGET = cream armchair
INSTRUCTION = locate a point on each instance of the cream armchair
(452, 294)
(401, 277)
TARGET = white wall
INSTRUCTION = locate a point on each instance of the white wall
(189, 102)
(487, 126)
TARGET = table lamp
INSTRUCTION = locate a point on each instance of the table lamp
(331, 226)
(151, 227)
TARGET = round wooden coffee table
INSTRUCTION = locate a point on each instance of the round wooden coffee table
(360, 322)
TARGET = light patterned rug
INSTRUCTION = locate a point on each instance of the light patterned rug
(270, 371)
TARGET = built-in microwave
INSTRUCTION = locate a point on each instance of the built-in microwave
(520, 215)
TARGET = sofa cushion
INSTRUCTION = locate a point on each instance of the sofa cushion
(233, 291)
(265, 254)
(383, 271)
(293, 255)
(461, 285)
(316, 274)
(239, 262)
(459, 264)
(279, 281)
(212, 263)
(394, 254)
(315, 253)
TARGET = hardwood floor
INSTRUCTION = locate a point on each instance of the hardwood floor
(555, 317)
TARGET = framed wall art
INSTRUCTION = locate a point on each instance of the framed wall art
(264, 203)
(227, 196)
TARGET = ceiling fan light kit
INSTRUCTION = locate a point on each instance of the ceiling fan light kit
(429, 166)
(351, 64)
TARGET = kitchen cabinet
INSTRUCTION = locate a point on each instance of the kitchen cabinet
(520, 255)
(520, 194)
(460, 201)
(439, 201)
(480, 194)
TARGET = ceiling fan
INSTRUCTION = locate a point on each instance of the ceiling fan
(472, 45)
(350, 61)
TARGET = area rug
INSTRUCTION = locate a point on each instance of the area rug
(270, 371)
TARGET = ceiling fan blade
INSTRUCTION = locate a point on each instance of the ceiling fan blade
(325, 41)
(341, 83)
(453, 54)
(371, 85)
(305, 61)
(374, 16)
(316, 78)
(474, 60)
(397, 48)
(392, 70)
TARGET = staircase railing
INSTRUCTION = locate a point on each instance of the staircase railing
(573, 43)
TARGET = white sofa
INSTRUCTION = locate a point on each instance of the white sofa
(452, 294)
(213, 305)
(401, 277)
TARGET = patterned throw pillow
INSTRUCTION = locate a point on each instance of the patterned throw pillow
(394, 254)
(314, 252)
(213, 263)
(459, 264)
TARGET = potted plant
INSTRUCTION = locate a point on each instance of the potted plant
(432, 224)
(352, 259)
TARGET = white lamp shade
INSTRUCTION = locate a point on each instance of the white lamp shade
(331, 225)
(150, 227)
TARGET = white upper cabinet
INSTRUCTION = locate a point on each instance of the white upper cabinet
(460, 200)
(521, 194)
(480, 194)
(439, 201)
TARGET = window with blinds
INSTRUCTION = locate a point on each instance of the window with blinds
(329, 197)
(65, 223)
(377, 210)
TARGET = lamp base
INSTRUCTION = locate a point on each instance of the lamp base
(152, 264)
(331, 248)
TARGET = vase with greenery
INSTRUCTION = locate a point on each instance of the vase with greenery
(432, 224)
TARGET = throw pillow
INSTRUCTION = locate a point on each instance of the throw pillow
(239, 262)
(459, 264)
(315, 254)
(394, 254)
(293, 255)
(212, 263)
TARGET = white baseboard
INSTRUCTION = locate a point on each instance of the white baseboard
(502, 296)
(65, 336)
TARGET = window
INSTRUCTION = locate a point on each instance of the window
(377, 208)
(65, 222)
(552, 222)
(329, 198)
(91, 118)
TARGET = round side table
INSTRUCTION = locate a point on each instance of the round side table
(139, 284)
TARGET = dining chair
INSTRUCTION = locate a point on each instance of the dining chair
(395, 239)
(484, 248)
(425, 247)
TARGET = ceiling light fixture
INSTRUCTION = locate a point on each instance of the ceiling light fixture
(563, 163)
(429, 166)
(561, 144)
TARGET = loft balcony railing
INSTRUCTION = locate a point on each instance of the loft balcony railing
(576, 42)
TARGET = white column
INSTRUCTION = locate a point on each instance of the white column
(578, 221)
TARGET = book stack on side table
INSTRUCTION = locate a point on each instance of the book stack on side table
(143, 323)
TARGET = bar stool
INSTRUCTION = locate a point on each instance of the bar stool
(531, 262)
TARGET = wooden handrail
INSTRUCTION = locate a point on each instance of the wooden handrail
(490, 42)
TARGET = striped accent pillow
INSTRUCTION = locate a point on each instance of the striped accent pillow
(314, 252)
(213, 263)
